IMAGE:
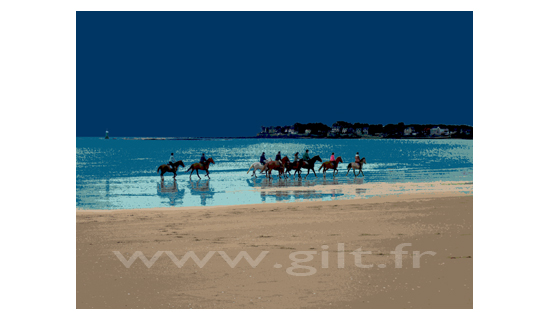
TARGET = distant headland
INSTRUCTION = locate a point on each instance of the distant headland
(346, 130)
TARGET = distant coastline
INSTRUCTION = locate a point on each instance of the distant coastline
(345, 130)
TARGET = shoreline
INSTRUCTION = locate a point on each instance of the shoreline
(381, 190)
(441, 222)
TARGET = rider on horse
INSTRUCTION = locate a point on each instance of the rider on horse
(358, 161)
(262, 158)
(171, 161)
(203, 160)
(333, 160)
(278, 156)
(306, 156)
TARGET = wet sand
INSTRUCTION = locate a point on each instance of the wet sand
(437, 221)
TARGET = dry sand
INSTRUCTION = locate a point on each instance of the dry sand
(439, 221)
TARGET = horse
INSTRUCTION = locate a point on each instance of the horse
(199, 166)
(355, 165)
(166, 168)
(257, 166)
(296, 166)
(310, 164)
(279, 165)
(328, 165)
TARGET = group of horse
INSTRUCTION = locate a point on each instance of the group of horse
(283, 166)
(194, 167)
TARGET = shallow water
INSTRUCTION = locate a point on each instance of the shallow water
(121, 174)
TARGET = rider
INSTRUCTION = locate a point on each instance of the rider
(278, 156)
(171, 161)
(296, 158)
(203, 160)
(306, 156)
(333, 160)
(262, 158)
(358, 160)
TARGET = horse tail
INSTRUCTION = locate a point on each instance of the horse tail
(190, 167)
(158, 169)
(349, 166)
(320, 167)
(250, 168)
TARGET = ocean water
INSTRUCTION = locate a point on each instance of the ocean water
(121, 174)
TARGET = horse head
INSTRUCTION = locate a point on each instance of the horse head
(210, 160)
(364, 160)
(284, 160)
(339, 159)
(316, 158)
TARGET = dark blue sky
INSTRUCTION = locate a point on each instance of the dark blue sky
(228, 73)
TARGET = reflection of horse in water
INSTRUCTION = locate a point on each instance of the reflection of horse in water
(170, 191)
(269, 183)
(201, 189)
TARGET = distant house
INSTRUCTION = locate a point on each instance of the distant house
(308, 131)
(365, 131)
(435, 131)
(359, 131)
(292, 130)
(335, 129)
(409, 131)
(444, 132)
(347, 130)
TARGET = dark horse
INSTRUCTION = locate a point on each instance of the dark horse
(310, 164)
(296, 166)
(277, 165)
(199, 166)
(166, 168)
(328, 165)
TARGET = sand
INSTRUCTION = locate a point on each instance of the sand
(440, 221)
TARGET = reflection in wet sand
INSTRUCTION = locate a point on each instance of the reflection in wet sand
(170, 190)
(202, 189)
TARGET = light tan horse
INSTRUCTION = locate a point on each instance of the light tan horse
(355, 165)
(199, 166)
(328, 165)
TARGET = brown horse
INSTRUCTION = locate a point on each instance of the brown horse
(278, 165)
(166, 168)
(356, 165)
(199, 166)
(296, 166)
(328, 165)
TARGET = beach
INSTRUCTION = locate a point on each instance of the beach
(430, 220)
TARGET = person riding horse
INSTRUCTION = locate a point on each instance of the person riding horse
(358, 160)
(332, 159)
(306, 156)
(262, 158)
(278, 156)
(203, 160)
(171, 161)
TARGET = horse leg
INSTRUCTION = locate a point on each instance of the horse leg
(192, 170)
(198, 174)
(348, 172)
(361, 170)
(207, 174)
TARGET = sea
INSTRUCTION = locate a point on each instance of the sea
(122, 173)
